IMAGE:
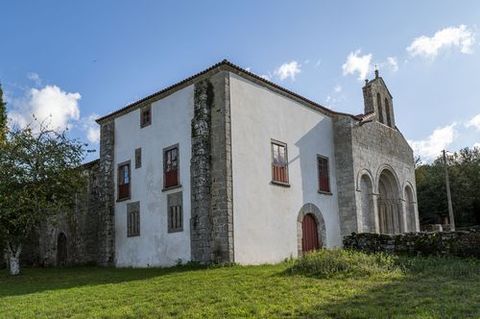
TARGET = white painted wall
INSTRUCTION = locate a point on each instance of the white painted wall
(171, 119)
(265, 215)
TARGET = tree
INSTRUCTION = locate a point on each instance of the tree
(464, 173)
(3, 117)
(39, 177)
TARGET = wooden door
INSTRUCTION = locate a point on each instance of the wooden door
(309, 234)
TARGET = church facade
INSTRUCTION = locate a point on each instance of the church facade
(226, 166)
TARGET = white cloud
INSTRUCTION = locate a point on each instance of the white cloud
(392, 63)
(459, 37)
(357, 63)
(91, 128)
(50, 105)
(337, 89)
(288, 70)
(431, 147)
(474, 122)
(32, 76)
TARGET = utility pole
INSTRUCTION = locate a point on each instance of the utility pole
(449, 196)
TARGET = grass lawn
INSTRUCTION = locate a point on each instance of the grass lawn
(431, 288)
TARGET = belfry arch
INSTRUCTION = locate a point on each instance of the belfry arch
(389, 209)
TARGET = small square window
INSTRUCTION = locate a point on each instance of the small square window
(133, 219)
(145, 116)
(138, 157)
(279, 162)
(323, 175)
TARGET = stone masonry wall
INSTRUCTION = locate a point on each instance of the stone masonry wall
(367, 148)
(211, 176)
(221, 172)
(343, 140)
(458, 243)
(201, 224)
(106, 212)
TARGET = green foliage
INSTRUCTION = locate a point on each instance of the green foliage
(329, 263)
(3, 117)
(464, 172)
(39, 176)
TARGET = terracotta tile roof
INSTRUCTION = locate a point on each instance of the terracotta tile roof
(224, 65)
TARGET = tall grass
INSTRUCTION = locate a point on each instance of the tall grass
(328, 263)
(350, 263)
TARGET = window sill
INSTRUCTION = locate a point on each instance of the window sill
(283, 184)
(166, 189)
(177, 230)
(325, 193)
(123, 199)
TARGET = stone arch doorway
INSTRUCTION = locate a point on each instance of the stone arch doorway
(310, 223)
(410, 210)
(309, 234)
(367, 207)
(389, 214)
(61, 249)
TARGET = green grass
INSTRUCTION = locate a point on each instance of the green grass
(329, 284)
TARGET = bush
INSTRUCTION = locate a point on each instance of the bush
(442, 267)
(329, 263)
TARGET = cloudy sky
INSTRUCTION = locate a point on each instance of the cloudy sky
(70, 61)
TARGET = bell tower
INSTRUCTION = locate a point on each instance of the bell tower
(378, 100)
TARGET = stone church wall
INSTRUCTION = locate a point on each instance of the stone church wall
(367, 148)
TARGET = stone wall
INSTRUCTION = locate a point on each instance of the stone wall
(458, 243)
(345, 174)
(106, 196)
(211, 175)
(368, 148)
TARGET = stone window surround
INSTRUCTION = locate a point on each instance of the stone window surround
(166, 149)
(138, 157)
(277, 142)
(175, 199)
(328, 173)
(130, 181)
(144, 109)
(133, 208)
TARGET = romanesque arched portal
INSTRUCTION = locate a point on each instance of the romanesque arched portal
(389, 212)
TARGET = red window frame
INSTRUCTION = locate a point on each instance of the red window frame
(323, 174)
(124, 180)
(171, 167)
(279, 162)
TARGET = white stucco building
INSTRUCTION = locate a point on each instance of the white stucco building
(228, 167)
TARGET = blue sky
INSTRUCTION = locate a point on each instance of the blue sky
(78, 60)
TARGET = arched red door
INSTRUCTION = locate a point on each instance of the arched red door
(309, 233)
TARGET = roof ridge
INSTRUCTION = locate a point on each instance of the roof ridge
(239, 69)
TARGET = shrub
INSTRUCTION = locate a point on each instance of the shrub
(442, 267)
(329, 263)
